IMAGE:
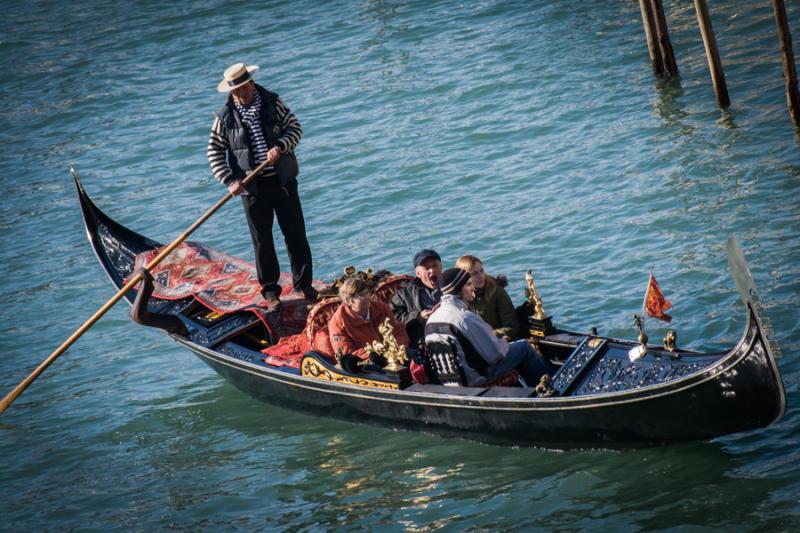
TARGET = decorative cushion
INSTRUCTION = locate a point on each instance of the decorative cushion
(390, 285)
(319, 316)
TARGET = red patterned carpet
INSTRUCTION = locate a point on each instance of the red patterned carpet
(221, 282)
(227, 284)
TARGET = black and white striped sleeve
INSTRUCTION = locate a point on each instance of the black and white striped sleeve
(292, 131)
(217, 153)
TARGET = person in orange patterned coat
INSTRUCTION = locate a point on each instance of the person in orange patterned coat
(356, 322)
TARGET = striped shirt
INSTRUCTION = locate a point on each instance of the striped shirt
(251, 118)
(218, 143)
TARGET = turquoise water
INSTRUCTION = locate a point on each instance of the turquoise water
(531, 134)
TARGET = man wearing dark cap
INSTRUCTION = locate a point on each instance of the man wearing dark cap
(414, 303)
(484, 357)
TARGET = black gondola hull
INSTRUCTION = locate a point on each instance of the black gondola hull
(735, 391)
(722, 401)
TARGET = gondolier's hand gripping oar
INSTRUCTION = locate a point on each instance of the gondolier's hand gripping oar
(19, 389)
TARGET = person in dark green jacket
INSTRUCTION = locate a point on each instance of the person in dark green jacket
(492, 302)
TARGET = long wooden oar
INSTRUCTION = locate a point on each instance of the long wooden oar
(19, 389)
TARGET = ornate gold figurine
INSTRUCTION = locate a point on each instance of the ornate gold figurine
(389, 348)
(533, 296)
(669, 340)
(637, 352)
(637, 323)
(545, 387)
(371, 277)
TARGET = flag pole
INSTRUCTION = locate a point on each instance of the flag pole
(644, 302)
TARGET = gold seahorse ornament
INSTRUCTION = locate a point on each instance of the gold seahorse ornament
(389, 348)
(533, 296)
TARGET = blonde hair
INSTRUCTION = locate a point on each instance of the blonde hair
(466, 262)
(352, 287)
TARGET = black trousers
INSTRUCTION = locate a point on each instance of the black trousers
(273, 201)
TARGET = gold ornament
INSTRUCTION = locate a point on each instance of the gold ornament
(670, 340)
(533, 296)
(389, 348)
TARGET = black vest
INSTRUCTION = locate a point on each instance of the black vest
(240, 156)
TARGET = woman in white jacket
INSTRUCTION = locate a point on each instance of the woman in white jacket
(484, 356)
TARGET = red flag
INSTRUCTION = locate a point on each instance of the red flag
(655, 303)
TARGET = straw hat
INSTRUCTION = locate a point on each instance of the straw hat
(236, 76)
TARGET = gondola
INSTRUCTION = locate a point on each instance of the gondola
(599, 397)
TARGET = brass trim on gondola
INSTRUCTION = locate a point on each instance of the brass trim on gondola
(311, 368)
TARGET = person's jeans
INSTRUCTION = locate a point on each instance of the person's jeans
(523, 358)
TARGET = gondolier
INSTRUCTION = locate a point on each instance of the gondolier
(255, 126)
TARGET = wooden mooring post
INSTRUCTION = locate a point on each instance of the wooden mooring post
(787, 57)
(712, 53)
(650, 33)
(659, 45)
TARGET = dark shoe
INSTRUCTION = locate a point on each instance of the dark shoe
(272, 302)
(310, 293)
